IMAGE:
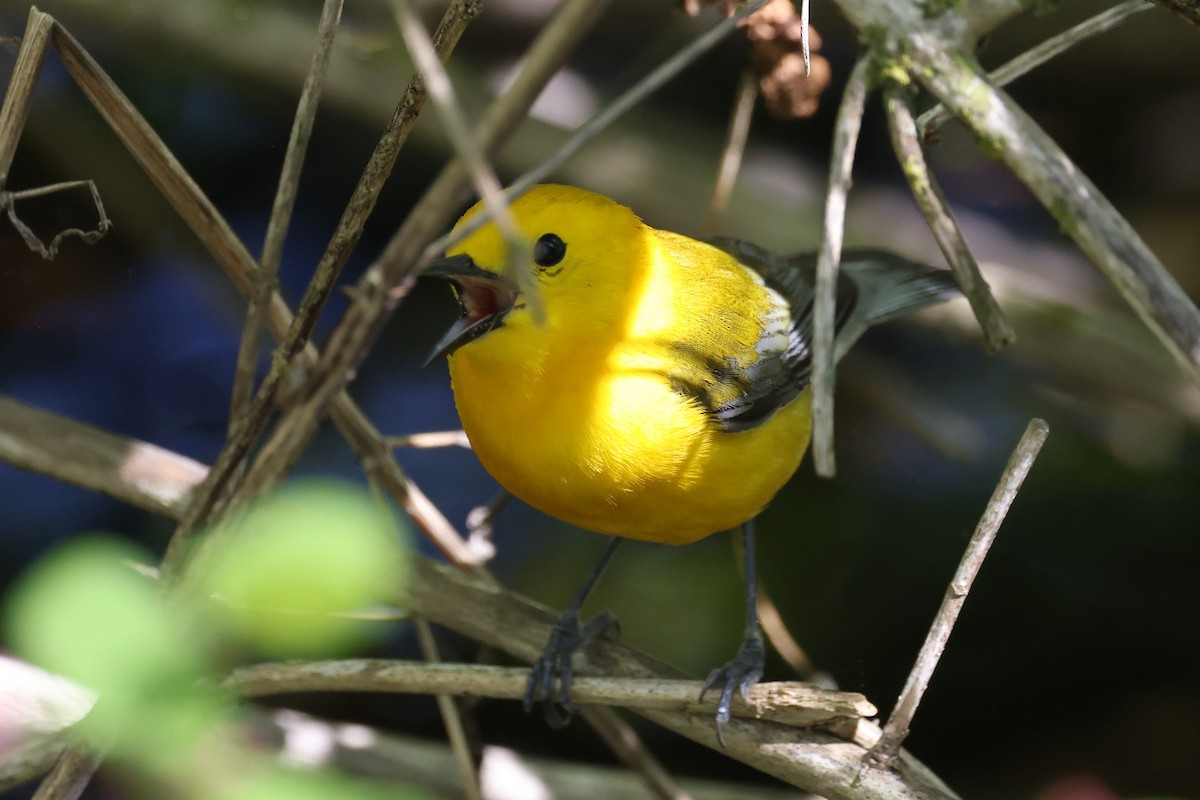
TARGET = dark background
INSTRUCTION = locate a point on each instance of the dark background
(1075, 669)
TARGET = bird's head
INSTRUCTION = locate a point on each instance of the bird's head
(589, 254)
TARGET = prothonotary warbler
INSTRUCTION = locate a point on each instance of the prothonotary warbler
(664, 396)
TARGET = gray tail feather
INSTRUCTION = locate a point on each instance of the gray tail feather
(888, 286)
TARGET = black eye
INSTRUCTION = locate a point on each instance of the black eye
(549, 250)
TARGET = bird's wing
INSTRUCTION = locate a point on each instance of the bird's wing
(873, 286)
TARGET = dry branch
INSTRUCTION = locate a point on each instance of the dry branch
(822, 762)
(932, 58)
(841, 163)
(1019, 464)
(997, 332)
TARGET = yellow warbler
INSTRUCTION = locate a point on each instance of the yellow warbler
(664, 396)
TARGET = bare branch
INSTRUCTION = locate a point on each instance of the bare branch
(1033, 58)
(70, 775)
(625, 743)
(388, 280)
(1007, 132)
(1187, 10)
(134, 472)
(845, 138)
(19, 96)
(735, 147)
(450, 717)
(267, 277)
(799, 705)
(997, 332)
(601, 121)
(1019, 464)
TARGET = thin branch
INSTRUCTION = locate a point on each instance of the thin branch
(70, 775)
(379, 167)
(799, 705)
(429, 439)
(601, 121)
(735, 148)
(1186, 10)
(267, 276)
(19, 96)
(997, 332)
(8, 202)
(1033, 58)
(845, 138)
(625, 743)
(138, 473)
(451, 717)
(389, 279)
(780, 637)
(476, 606)
(1080, 209)
(1019, 464)
(469, 151)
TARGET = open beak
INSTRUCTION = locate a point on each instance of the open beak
(484, 299)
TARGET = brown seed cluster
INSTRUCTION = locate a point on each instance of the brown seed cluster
(777, 58)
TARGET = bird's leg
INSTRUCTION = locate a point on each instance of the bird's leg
(747, 667)
(551, 676)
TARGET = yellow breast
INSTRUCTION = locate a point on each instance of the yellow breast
(614, 449)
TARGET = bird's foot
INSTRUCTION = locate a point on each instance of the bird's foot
(552, 674)
(741, 673)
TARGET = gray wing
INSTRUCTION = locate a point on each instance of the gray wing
(873, 286)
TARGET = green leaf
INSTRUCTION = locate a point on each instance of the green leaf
(293, 565)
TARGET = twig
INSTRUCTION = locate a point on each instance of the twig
(845, 138)
(1019, 464)
(429, 439)
(267, 275)
(389, 279)
(625, 743)
(476, 606)
(138, 473)
(735, 148)
(601, 121)
(799, 705)
(19, 95)
(451, 717)
(1080, 209)
(1033, 58)
(780, 637)
(470, 153)
(420, 762)
(8, 202)
(70, 775)
(997, 332)
(362, 202)
(1187, 10)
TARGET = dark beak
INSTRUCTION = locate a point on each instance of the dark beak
(484, 299)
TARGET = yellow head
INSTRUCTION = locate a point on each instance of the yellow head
(590, 256)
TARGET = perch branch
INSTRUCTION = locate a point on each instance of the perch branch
(1019, 464)
(997, 332)
(825, 763)
(845, 138)
(799, 705)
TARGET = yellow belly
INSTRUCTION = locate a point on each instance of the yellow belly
(620, 452)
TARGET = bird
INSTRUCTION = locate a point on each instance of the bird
(656, 388)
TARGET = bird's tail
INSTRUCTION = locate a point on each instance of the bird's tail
(887, 286)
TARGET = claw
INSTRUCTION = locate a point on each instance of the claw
(552, 674)
(741, 673)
